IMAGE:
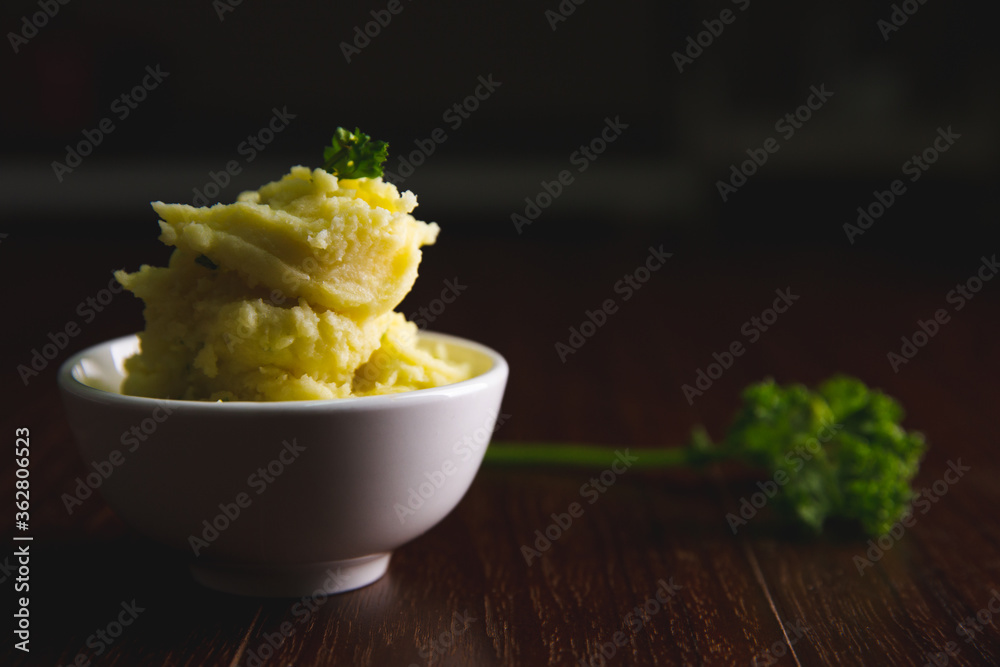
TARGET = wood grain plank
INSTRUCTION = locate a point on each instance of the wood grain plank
(737, 597)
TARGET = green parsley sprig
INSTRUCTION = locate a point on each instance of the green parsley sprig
(841, 449)
(354, 155)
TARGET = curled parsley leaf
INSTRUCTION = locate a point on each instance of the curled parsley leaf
(354, 155)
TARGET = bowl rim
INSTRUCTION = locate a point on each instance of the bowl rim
(497, 372)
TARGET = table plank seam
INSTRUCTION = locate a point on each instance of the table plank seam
(755, 566)
(246, 639)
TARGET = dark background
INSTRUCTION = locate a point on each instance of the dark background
(606, 59)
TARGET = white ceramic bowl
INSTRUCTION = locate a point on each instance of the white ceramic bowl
(283, 498)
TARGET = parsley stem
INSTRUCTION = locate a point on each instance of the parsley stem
(578, 454)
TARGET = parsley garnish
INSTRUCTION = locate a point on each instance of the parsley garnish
(354, 155)
(206, 262)
(840, 447)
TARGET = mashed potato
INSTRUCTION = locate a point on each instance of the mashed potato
(287, 294)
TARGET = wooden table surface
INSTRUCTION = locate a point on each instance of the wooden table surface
(463, 593)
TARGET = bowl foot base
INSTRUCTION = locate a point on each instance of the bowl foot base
(328, 578)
